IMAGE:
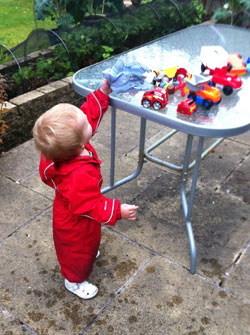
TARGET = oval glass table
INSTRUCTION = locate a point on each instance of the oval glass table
(231, 117)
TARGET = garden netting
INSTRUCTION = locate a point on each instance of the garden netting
(53, 54)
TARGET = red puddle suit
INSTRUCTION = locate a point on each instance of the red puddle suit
(79, 207)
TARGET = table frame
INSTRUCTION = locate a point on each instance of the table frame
(191, 129)
(187, 202)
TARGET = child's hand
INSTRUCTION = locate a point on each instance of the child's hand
(128, 212)
(105, 88)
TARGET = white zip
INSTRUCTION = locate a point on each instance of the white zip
(100, 112)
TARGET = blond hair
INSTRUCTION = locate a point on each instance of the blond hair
(57, 134)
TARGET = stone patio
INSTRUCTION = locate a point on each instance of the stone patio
(145, 286)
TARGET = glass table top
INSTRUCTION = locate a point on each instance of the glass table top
(182, 49)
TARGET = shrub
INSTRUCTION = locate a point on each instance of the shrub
(235, 12)
(91, 42)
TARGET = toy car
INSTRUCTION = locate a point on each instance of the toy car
(228, 81)
(157, 98)
(187, 107)
(202, 92)
(213, 57)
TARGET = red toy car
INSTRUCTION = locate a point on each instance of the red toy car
(157, 98)
(187, 107)
(228, 81)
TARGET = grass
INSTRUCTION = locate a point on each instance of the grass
(16, 21)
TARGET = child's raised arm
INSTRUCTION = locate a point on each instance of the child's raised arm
(96, 105)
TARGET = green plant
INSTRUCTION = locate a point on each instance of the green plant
(51, 68)
(192, 13)
(86, 47)
(92, 42)
(4, 57)
(235, 12)
(25, 72)
(67, 13)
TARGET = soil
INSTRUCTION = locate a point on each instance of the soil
(13, 90)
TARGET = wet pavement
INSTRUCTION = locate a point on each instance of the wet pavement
(145, 286)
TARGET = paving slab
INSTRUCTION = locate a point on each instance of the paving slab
(243, 138)
(238, 280)
(127, 131)
(20, 161)
(125, 166)
(18, 205)
(171, 150)
(238, 183)
(32, 289)
(166, 299)
(216, 166)
(221, 226)
(11, 326)
(145, 286)
(34, 182)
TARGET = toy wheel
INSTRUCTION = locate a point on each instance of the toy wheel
(227, 90)
(203, 68)
(192, 96)
(157, 105)
(208, 103)
(146, 103)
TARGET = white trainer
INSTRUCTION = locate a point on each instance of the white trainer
(84, 290)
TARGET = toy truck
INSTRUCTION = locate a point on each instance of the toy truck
(202, 92)
(224, 68)
(212, 57)
(228, 81)
(187, 107)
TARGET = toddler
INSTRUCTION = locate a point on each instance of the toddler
(70, 165)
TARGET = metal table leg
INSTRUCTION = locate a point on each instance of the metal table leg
(187, 205)
(170, 165)
(112, 184)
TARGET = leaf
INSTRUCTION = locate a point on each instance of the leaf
(221, 15)
(44, 8)
(246, 4)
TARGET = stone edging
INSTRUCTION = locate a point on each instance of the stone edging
(23, 110)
